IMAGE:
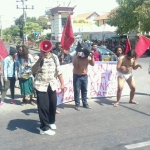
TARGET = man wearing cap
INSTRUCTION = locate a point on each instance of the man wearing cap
(9, 75)
(47, 69)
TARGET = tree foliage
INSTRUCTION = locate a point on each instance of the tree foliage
(42, 21)
(48, 13)
(131, 15)
(32, 27)
(12, 31)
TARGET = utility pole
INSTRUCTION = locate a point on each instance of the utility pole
(24, 16)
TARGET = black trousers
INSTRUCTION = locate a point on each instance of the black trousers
(10, 83)
(46, 102)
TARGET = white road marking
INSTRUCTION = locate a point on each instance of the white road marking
(138, 145)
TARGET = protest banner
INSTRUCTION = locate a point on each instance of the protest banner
(102, 82)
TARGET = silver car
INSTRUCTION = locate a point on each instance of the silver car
(105, 53)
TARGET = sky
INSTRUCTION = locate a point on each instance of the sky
(8, 11)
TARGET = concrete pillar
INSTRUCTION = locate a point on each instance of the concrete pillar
(60, 27)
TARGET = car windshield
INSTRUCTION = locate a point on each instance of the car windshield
(104, 51)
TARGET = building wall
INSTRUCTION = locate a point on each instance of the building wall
(90, 19)
(57, 26)
(101, 22)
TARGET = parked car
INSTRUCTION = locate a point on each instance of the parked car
(105, 53)
(72, 51)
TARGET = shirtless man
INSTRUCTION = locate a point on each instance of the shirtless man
(124, 67)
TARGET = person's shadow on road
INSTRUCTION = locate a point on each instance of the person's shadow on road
(30, 111)
(104, 101)
(25, 124)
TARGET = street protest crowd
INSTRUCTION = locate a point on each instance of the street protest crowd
(38, 76)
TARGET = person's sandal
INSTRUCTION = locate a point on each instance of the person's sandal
(32, 102)
(24, 102)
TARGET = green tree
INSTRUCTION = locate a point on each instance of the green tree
(12, 31)
(42, 21)
(48, 13)
(131, 15)
(20, 23)
(31, 19)
(32, 27)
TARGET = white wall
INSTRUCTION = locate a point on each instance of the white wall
(91, 19)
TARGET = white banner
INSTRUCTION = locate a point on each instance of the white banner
(102, 82)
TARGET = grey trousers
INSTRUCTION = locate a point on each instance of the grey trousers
(10, 83)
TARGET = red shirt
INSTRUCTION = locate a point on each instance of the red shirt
(96, 55)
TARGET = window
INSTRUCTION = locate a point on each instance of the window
(63, 21)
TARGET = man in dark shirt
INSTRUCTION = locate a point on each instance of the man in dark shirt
(63, 55)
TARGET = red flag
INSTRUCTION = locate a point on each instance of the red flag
(3, 50)
(128, 45)
(142, 45)
(67, 35)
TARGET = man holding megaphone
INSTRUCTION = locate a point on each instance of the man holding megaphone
(47, 69)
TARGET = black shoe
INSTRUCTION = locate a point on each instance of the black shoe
(87, 106)
(77, 107)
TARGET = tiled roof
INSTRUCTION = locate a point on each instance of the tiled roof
(105, 16)
(85, 15)
(102, 17)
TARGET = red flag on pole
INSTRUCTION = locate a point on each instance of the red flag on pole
(67, 35)
(3, 50)
(142, 45)
(128, 45)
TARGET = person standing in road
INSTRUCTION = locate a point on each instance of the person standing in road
(124, 67)
(83, 58)
(9, 75)
(23, 72)
(47, 69)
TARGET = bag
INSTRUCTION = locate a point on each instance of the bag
(25, 76)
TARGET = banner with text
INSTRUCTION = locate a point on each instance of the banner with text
(102, 82)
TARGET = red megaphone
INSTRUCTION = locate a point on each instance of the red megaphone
(45, 46)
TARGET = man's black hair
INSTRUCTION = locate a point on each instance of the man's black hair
(80, 46)
(86, 51)
(94, 44)
(132, 54)
(119, 46)
(57, 44)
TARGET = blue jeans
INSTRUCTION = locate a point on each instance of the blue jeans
(80, 84)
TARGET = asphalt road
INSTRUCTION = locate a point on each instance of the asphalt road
(104, 127)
